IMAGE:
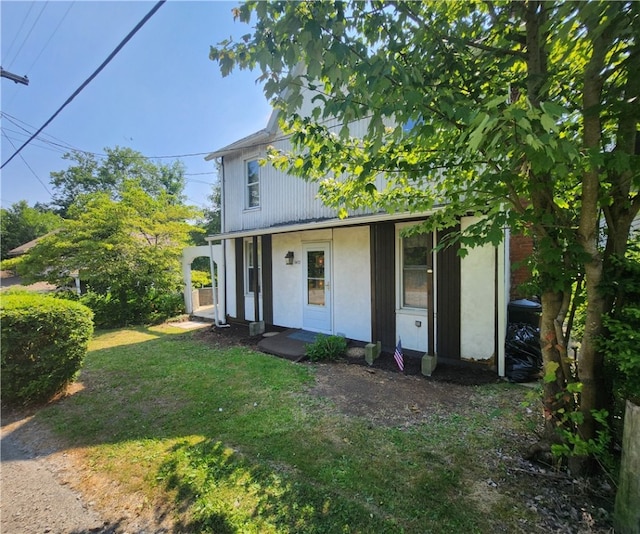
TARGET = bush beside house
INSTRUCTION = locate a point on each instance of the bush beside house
(44, 342)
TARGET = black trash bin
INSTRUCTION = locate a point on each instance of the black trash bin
(524, 311)
(523, 356)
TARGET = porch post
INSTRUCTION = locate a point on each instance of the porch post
(255, 282)
(213, 285)
(186, 276)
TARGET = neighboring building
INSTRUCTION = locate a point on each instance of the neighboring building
(12, 280)
(287, 260)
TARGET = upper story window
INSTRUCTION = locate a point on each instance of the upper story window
(252, 199)
(414, 261)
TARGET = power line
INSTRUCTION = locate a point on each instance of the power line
(51, 37)
(29, 166)
(90, 78)
(68, 147)
(64, 146)
(28, 34)
(15, 93)
(19, 30)
(61, 142)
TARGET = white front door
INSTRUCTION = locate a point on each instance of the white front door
(316, 315)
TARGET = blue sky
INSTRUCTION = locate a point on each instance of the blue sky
(161, 95)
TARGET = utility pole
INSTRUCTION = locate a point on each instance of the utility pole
(14, 77)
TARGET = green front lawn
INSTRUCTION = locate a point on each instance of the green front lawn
(230, 441)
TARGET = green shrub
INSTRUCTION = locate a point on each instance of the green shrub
(132, 308)
(164, 306)
(200, 279)
(622, 348)
(326, 348)
(107, 312)
(11, 264)
(620, 338)
(44, 342)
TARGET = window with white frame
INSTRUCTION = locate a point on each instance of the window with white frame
(252, 199)
(250, 265)
(415, 253)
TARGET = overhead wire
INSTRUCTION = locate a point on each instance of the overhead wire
(65, 145)
(90, 78)
(29, 166)
(50, 37)
(61, 142)
(15, 37)
(28, 35)
(37, 143)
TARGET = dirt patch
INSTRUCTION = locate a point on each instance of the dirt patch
(386, 398)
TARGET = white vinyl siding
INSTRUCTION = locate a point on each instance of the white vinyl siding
(283, 198)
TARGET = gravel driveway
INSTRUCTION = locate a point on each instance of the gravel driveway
(33, 501)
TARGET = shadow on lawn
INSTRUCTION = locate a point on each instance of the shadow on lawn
(271, 497)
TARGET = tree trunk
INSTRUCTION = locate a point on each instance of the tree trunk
(554, 392)
(590, 362)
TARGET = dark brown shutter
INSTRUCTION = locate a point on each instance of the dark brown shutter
(383, 297)
(448, 299)
(239, 252)
(267, 279)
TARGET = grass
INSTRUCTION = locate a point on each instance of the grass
(231, 442)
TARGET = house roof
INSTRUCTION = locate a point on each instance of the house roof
(261, 136)
(26, 247)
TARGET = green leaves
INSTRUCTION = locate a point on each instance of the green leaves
(491, 129)
(136, 241)
(110, 175)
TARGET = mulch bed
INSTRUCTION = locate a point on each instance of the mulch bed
(466, 374)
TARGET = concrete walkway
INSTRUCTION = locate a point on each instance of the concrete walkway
(290, 344)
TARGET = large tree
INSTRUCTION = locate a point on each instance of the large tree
(126, 250)
(523, 112)
(91, 174)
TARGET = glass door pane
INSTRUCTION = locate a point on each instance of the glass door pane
(315, 278)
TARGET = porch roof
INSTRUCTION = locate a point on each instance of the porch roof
(319, 225)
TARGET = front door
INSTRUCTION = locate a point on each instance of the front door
(316, 315)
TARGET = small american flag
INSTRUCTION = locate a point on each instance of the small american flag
(397, 355)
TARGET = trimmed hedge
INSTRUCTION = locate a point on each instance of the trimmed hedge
(44, 342)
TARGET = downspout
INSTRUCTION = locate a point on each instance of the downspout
(502, 297)
(222, 225)
(222, 273)
(222, 268)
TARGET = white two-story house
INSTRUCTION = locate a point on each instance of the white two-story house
(291, 262)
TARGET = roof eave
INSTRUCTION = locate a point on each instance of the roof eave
(246, 142)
